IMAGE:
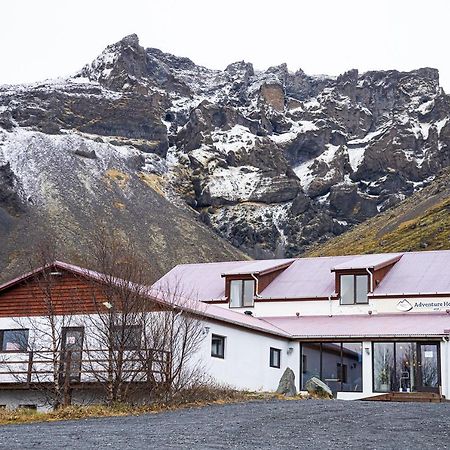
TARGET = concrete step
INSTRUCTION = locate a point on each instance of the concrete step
(426, 397)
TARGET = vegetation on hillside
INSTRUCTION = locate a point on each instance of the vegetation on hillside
(421, 222)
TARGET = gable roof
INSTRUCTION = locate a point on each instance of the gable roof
(161, 297)
(312, 278)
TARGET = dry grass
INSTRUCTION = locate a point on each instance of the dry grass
(153, 181)
(118, 177)
(195, 398)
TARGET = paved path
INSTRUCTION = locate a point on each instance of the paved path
(307, 424)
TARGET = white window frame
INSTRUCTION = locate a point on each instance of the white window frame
(241, 302)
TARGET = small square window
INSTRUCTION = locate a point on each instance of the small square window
(275, 357)
(127, 337)
(218, 346)
(14, 340)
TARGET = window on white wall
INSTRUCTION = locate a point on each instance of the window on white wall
(275, 357)
(218, 346)
(14, 340)
(241, 293)
(354, 289)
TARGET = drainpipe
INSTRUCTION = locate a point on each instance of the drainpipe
(371, 279)
(256, 285)
(330, 305)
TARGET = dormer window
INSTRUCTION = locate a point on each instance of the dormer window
(354, 289)
(241, 293)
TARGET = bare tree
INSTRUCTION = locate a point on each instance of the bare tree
(49, 316)
(144, 340)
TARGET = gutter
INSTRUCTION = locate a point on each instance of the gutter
(369, 336)
(409, 294)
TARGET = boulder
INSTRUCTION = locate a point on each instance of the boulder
(316, 386)
(286, 385)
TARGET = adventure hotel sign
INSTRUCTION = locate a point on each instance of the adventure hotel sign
(435, 305)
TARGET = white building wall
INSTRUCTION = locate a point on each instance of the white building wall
(246, 363)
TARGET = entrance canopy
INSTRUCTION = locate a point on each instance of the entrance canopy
(362, 326)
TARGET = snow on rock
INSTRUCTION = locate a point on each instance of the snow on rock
(235, 139)
(235, 183)
(298, 127)
(29, 153)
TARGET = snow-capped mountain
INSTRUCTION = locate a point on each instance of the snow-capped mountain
(271, 160)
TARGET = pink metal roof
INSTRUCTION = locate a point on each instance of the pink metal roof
(412, 273)
(305, 278)
(260, 266)
(369, 261)
(418, 273)
(203, 281)
(173, 299)
(379, 325)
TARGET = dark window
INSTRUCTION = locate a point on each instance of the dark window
(354, 289)
(241, 293)
(127, 337)
(338, 364)
(275, 357)
(14, 340)
(218, 346)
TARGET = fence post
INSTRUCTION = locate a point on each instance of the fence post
(67, 400)
(30, 366)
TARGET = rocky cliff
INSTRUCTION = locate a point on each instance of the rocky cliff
(272, 161)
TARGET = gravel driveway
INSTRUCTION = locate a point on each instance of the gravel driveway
(307, 424)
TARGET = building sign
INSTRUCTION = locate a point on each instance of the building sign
(434, 305)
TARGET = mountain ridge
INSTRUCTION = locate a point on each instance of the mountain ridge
(271, 161)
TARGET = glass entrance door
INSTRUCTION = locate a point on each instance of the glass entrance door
(428, 367)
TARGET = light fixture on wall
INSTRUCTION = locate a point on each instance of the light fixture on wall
(206, 330)
(367, 350)
(290, 348)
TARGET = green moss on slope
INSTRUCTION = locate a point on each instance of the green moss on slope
(421, 222)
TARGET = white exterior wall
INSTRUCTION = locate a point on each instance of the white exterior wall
(246, 362)
(275, 308)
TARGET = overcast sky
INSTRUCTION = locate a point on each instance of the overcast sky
(49, 38)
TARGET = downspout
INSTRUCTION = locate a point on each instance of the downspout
(330, 305)
(371, 279)
(256, 285)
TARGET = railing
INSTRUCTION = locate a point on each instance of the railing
(75, 366)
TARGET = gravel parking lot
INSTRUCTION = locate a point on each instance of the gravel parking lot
(307, 424)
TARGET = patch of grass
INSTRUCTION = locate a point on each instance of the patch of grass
(190, 398)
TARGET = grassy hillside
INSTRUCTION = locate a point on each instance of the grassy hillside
(421, 222)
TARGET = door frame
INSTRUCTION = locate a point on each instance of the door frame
(420, 387)
(63, 351)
